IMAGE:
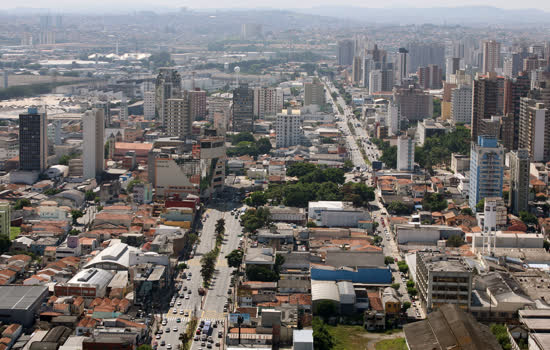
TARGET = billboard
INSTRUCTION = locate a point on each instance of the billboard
(233, 318)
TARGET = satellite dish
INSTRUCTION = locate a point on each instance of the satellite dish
(237, 69)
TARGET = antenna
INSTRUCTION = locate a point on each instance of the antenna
(237, 70)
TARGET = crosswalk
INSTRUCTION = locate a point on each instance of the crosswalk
(196, 261)
(212, 314)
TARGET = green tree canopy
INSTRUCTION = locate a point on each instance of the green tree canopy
(235, 258)
(455, 240)
(256, 199)
(399, 208)
(434, 202)
(261, 273)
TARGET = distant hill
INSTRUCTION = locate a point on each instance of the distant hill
(436, 15)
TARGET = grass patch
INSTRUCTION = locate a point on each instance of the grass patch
(14, 232)
(349, 337)
(392, 344)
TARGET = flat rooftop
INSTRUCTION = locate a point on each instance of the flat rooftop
(20, 297)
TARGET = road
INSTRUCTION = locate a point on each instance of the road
(210, 307)
(389, 244)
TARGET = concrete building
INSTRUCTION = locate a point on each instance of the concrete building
(413, 102)
(405, 153)
(302, 339)
(149, 105)
(93, 155)
(167, 86)
(461, 104)
(486, 170)
(428, 128)
(443, 279)
(459, 163)
(418, 234)
(20, 303)
(5, 218)
(518, 198)
(33, 141)
(251, 31)
(393, 118)
(491, 56)
(314, 93)
(357, 70)
(452, 64)
(177, 116)
(243, 109)
(402, 69)
(346, 52)
(514, 90)
(534, 129)
(430, 77)
(197, 104)
(267, 101)
(487, 100)
(288, 128)
(335, 214)
(422, 54)
(381, 80)
(88, 283)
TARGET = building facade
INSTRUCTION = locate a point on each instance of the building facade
(33, 141)
(461, 104)
(314, 93)
(243, 109)
(491, 56)
(288, 128)
(518, 198)
(405, 153)
(486, 170)
(93, 147)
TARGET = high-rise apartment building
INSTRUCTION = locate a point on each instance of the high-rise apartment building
(357, 70)
(512, 65)
(429, 77)
(486, 169)
(368, 66)
(167, 86)
(518, 197)
(243, 109)
(288, 128)
(534, 129)
(393, 119)
(491, 56)
(346, 52)
(402, 65)
(405, 153)
(314, 93)
(461, 104)
(93, 130)
(413, 102)
(123, 115)
(197, 102)
(421, 55)
(514, 90)
(178, 118)
(149, 105)
(452, 64)
(487, 100)
(5, 218)
(33, 141)
(267, 101)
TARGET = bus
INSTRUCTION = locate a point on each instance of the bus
(206, 328)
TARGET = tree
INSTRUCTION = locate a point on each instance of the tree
(412, 291)
(528, 218)
(253, 219)
(348, 165)
(480, 206)
(403, 267)
(131, 184)
(220, 226)
(256, 199)
(399, 208)
(64, 159)
(90, 195)
(75, 232)
(242, 136)
(21, 203)
(75, 214)
(181, 266)
(300, 169)
(279, 261)
(388, 260)
(311, 224)
(144, 347)
(434, 202)
(260, 273)
(546, 245)
(455, 240)
(326, 309)
(235, 258)
(395, 286)
(467, 211)
(410, 284)
(5, 243)
(322, 339)
(263, 145)
(406, 306)
(208, 265)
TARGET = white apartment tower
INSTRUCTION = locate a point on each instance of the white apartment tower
(93, 130)
(405, 153)
(393, 119)
(402, 69)
(149, 105)
(177, 116)
(461, 104)
(267, 101)
(288, 128)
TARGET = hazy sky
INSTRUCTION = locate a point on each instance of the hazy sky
(281, 4)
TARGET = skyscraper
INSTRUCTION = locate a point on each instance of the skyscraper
(461, 104)
(288, 128)
(534, 129)
(346, 52)
(167, 86)
(421, 55)
(33, 141)
(491, 56)
(149, 105)
(451, 66)
(429, 77)
(93, 130)
(197, 103)
(514, 90)
(405, 153)
(414, 103)
(487, 100)
(402, 65)
(243, 109)
(357, 70)
(486, 169)
(314, 93)
(518, 198)
(178, 118)
(267, 101)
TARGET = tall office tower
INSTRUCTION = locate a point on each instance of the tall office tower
(518, 197)
(251, 31)
(387, 79)
(198, 104)
(33, 141)
(534, 129)
(149, 105)
(314, 93)
(346, 52)
(405, 153)
(514, 90)
(368, 66)
(93, 155)
(413, 103)
(357, 70)
(401, 65)
(178, 117)
(167, 86)
(486, 169)
(486, 100)
(243, 109)
(288, 128)
(393, 119)
(421, 55)
(46, 37)
(491, 56)
(267, 101)
(26, 39)
(461, 104)
(123, 115)
(452, 64)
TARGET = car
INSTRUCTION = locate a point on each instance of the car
(164, 322)
(158, 336)
(178, 320)
(167, 330)
(162, 343)
(187, 297)
(190, 274)
(189, 292)
(196, 338)
(168, 346)
(181, 312)
(209, 346)
(175, 311)
(210, 340)
(184, 288)
(186, 313)
(225, 309)
(189, 278)
(179, 303)
(203, 344)
(198, 332)
(175, 329)
(218, 344)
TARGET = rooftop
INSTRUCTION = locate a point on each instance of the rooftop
(15, 297)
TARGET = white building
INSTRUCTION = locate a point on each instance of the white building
(288, 128)
(335, 214)
(267, 101)
(393, 119)
(461, 104)
(375, 81)
(93, 147)
(402, 69)
(405, 153)
(491, 56)
(177, 113)
(149, 105)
